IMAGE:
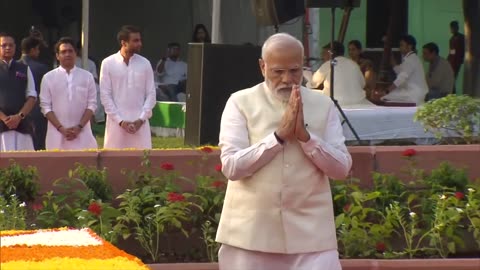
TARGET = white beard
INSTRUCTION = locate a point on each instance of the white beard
(282, 93)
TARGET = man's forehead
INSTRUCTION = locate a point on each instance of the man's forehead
(7, 39)
(283, 66)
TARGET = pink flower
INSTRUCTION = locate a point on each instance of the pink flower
(409, 152)
(167, 166)
(218, 167)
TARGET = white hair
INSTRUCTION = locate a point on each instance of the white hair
(277, 39)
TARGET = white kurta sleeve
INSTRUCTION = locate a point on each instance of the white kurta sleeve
(239, 158)
(404, 71)
(30, 84)
(150, 96)
(106, 94)
(92, 94)
(320, 75)
(330, 154)
(45, 96)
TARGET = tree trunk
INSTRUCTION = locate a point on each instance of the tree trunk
(471, 81)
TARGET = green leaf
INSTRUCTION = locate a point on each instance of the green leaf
(451, 247)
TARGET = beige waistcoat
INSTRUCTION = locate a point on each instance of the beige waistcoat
(286, 206)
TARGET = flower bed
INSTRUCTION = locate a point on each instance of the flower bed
(62, 249)
(425, 209)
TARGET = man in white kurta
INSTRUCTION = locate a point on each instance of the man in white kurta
(127, 91)
(68, 99)
(279, 144)
(15, 76)
(349, 82)
(410, 85)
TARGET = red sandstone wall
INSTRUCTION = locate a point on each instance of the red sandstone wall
(386, 159)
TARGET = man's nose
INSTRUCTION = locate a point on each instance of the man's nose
(287, 77)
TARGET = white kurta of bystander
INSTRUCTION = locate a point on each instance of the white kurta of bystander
(128, 94)
(410, 82)
(68, 95)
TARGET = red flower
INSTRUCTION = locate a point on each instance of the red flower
(167, 166)
(206, 149)
(218, 167)
(37, 206)
(175, 197)
(347, 207)
(95, 208)
(218, 184)
(409, 152)
(459, 195)
(380, 247)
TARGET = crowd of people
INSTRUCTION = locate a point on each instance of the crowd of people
(41, 109)
(53, 109)
(355, 78)
(37, 113)
(171, 72)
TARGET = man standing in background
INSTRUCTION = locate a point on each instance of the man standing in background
(30, 52)
(127, 91)
(456, 54)
(17, 98)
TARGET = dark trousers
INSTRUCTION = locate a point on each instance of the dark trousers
(39, 128)
(432, 94)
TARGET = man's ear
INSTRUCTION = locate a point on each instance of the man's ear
(261, 63)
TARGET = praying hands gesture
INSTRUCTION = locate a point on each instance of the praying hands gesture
(292, 125)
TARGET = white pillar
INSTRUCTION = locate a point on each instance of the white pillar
(85, 32)
(314, 38)
(216, 21)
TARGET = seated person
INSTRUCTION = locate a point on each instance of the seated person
(410, 85)
(172, 74)
(366, 65)
(440, 77)
(348, 79)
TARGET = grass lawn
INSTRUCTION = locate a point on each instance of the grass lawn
(157, 142)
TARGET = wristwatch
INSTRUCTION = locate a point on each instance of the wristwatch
(22, 115)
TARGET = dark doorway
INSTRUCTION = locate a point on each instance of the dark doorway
(378, 14)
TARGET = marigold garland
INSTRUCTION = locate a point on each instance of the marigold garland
(43, 257)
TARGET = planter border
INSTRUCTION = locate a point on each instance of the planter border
(357, 264)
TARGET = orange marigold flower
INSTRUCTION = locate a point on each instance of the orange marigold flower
(167, 166)
(175, 197)
(95, 208)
